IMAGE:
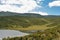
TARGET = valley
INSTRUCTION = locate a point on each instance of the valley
(39, 27)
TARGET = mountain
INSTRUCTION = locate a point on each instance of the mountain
(25, 20)
(40, 27)
(7, 14)
(20, 14)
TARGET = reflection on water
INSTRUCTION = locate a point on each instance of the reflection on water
(11, 33)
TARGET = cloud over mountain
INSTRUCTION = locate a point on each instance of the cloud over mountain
(19, 6)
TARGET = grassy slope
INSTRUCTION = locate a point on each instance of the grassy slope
(28, 22)
(50, 25)
(49, 34)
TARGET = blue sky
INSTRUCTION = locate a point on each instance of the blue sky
(50, 10)
(43, 7)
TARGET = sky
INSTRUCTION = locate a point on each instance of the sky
(42, 7)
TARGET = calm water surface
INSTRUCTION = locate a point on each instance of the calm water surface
(11, 33)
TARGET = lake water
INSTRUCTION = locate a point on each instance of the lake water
(11, 33)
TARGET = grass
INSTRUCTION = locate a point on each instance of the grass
(28, 22)
(48, 34)
(34, 27)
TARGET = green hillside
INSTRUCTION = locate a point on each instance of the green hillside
(45, 27)
(49, 34)
(27, 21)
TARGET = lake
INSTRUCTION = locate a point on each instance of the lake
(11, 33)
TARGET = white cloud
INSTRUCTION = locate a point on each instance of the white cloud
(26, 6)
(41, 13)
(38, 1)
(54, 3)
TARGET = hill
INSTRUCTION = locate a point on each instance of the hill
(49, 34)
(20, 14)
(26, 21)
(40, 27)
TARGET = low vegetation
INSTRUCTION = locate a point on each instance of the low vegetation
(49, 34)
(46, 27)
(28, 22)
